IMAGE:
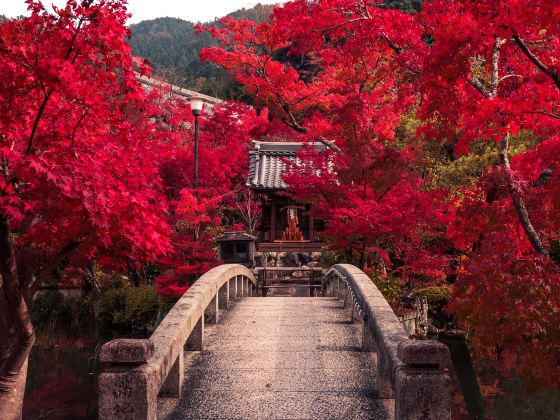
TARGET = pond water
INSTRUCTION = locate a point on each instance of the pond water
(62, 385)
(61, 382)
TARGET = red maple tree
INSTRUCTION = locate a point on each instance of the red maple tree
(80, 162)
(349, 73)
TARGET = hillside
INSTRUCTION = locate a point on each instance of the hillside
(173, 49)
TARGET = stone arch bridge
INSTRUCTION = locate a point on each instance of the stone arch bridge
(223, 353)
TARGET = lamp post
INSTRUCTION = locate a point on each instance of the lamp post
(196, 108)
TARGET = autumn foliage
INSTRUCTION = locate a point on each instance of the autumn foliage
(96, 168)
(443, 166)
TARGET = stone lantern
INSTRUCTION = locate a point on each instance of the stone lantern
(237, 248)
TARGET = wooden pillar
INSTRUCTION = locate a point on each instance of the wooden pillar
(272, 222)
(311, 227)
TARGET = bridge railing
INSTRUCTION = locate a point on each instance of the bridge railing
(410, 371)
(136, 372)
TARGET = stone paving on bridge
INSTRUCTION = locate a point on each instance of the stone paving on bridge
(280, 358)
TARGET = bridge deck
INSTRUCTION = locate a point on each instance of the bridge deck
(280, 358)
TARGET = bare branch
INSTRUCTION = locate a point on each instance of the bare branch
(495, 80)
(41, 110)
(548, 114)
(510, 75)
(392, 45)
(477, 84)
(536, 61)
(78, 125)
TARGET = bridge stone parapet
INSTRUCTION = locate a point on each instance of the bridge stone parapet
(135, 372)
(411, 371)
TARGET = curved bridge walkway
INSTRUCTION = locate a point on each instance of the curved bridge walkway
(281, 358)
(221, 353)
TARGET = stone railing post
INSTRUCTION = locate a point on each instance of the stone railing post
(346, 297)
(239, 286)
(211, 313)
(328, 287)
(195, 342)
(233, 288)
(338, 288)
(126, 391)
(223, 296)
(173, 385)
(422, 388)
(368, 343)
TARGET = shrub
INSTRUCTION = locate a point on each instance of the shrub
(390, 287)
(130, 307)
(143, 305)
(330, 258)
(55, 316)
(46, 308)
(437, 296)
(110, 308)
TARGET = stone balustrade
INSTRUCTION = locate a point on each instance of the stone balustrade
(410, 371)
(135, 372)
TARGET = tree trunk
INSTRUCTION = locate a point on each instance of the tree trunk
(518, 202)
(18, 329)
(11, 402)
(362, 263)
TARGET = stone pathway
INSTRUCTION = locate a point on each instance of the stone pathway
(280, 358)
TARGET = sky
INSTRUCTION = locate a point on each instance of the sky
(193, 10)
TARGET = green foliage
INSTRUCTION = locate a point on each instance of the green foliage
(129, 307)
(437, 296)
(142, 306)
(173, 49)
(409, 6)
(440, 168)
(390, 287)
(258, 13)
(460, 172)
(467, 169)
(55, 316)
(110, 309)
(330, 258)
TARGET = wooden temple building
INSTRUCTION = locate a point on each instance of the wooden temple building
(286, 226)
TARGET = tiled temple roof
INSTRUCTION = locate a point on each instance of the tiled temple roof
(266, 163)
(176, 90)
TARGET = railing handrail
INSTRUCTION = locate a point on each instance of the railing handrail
(411, 370)
(298, 268)
(147, 363)
(384, 325)
(174, 330)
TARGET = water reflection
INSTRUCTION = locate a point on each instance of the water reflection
(62, 382)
